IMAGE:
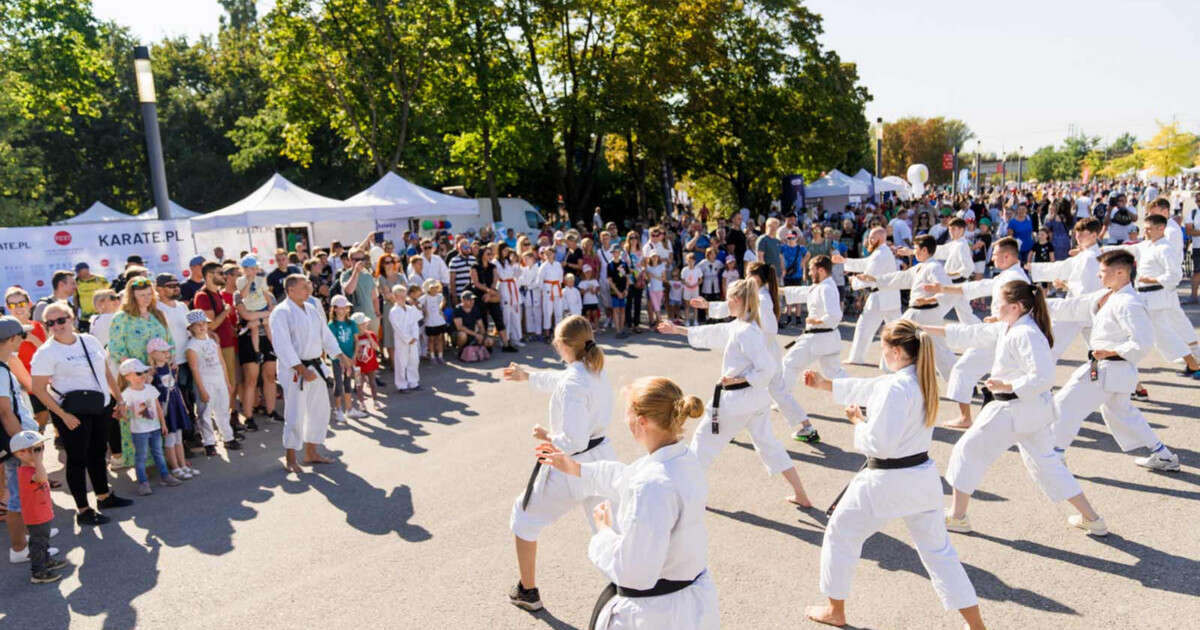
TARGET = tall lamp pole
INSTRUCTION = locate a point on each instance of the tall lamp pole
(146, 96)
(978, 166)
(1020, 159)
(879, 147)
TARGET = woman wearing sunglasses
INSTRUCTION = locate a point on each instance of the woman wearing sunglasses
(80, 404)
(21, 307)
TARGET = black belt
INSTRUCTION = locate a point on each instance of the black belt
(1094, 367)
(957, 280)
(315, 364)
(537, 467)
(1115, 357)
(876, 463)
(661, 587)
(810, 331)
(1003, 396)
(923, 307)
(1149, 288)
(716, 401)
(872, 290)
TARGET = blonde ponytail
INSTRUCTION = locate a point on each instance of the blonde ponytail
(745, 290)
(660, 401)
(918, 346)
(575, 332)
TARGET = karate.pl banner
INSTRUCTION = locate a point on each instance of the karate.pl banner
(29, 256)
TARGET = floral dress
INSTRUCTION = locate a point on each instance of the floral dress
(128, 336)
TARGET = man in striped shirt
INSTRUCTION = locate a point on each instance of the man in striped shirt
(460, 264)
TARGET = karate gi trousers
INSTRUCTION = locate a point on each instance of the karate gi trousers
(1080, 397)
(305, 411)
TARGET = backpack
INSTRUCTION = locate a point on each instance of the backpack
(474, 353)
(1122, 216)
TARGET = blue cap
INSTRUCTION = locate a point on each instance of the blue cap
(196, 261)
(81, 265)
(249, 261)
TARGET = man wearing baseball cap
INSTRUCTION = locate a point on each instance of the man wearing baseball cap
(15, 417)
(86, 285)
(195, 279)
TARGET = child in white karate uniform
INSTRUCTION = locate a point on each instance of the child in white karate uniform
(653, 548)
(820, 342)
(531, 295)
(741, 400)
(212, 391)
(406, 325)
(1022, 411)
(508, 272)
(571, 296)
(580, 410)
(899, 481)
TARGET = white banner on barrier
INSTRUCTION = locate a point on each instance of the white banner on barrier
(29, 256)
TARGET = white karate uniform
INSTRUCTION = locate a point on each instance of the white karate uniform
(510, 297)
(1081, 273)
(895, 428)
(406, 326)
(580, 410)
(959, 263)
(746, 356)
(913, 278)
(1154, 261)
(532, 300)
(779, 390)
(974, 362)
(298, 332)
(824, 304)
(1121, 325)
(549, 280)
(573, 300)
(658, 533)
(215, 412)
(883, 305)
(1022, 359)
(1178, 320)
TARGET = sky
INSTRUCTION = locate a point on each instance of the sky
(1020, 73)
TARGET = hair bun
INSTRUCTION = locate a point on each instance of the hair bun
(690, 407)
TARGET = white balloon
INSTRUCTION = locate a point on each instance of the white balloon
(918, 174)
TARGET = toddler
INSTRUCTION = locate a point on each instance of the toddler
(37, 509)
(590, 290)
(571, 295)
(675, 297)
(344, 331)
(366, 357)
(106, 303)
(144, 415)
(253, 291)
(212, 391)
(431, 304)
(406, 323)
(729, 276)
(175, 411)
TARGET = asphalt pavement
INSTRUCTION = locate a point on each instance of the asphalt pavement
(410, 528)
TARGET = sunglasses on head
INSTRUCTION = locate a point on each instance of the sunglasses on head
(58, 321)
(139, 283)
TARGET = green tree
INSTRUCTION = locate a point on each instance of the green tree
(913, 140)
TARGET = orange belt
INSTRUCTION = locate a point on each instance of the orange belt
(512, 289)
(556, 285)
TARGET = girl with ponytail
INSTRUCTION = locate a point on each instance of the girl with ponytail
(580, 409)
(893, 417)
(1022, 410)
(656, 559)
(740, 399)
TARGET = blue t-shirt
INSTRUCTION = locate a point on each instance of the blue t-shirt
(1022, 231)
(344, 332)
(793, 257)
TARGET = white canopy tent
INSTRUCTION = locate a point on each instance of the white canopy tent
(881, 185)
(394, 197)
(900, 185)
(278, 202)
(177, 212)
(96, 213)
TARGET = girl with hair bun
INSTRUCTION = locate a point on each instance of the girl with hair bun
(897, 481)
(580, 410)
(654, 549)
(740, 399)
(1022, 410)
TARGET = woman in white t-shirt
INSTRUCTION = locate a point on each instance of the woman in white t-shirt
(78, 363)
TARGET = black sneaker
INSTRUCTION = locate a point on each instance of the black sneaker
(45, 577)
(238, 435)
(276, 416)
(510, 348)
(251, 425)
(210, 450)
(525, 598)
(113, 501)
(235, 422)
(232, 445)
(91, 517)
(54, 564)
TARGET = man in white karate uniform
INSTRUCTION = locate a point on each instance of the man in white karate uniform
(974, 362)
(1174, 236)
(1078, 275)
(300, 334)
(959, 263)
(1121, 335)
(820, 342)
(883, 305)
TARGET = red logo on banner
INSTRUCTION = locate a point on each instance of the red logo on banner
(254, 249)
(947, 161)
(270, 261)
(187, 272)
(165, 258)
(62, 237)
(41, 283)
(103, 262)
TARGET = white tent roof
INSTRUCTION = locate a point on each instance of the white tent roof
(279, 201)
(835, 184)
(96, 213)
(899, 185)
(394, 197)
(177, 212)
(881, 185)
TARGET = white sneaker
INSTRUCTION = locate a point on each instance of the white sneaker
(180, 473)
(192, 471)
(356, 414)
(1157, 461)
(518, 343)
(1093, 528)
(17, 557)
(117, 462)
(338, 416)
(53, 533)
(957, 525)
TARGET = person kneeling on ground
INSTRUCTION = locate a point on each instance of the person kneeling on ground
(468, 324)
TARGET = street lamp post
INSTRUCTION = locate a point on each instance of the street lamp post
(978, 166)
(1020, 160)
(146, 96)
(879, 147)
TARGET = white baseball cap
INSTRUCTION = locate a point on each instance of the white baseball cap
(133, 366)
(196, 316)
(359, 318)
(339, 301)
(25, 439)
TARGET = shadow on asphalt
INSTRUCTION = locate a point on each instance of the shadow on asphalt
(891, 554)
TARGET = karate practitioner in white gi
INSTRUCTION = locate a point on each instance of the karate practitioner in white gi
(406, 351)
(300, 335)
(653, 548)
(1022, 411)
(1121, 335)
(974, 362)
(1079, 275)
(820, 342)
(959, 262)
(549, 280)
(747, 368)
(883, 305)
(899, 481)
(508, 272)
(531, 292)
(580, 410)
(1174, 234)
(924, 307)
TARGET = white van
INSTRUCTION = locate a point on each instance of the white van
(517, 214)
